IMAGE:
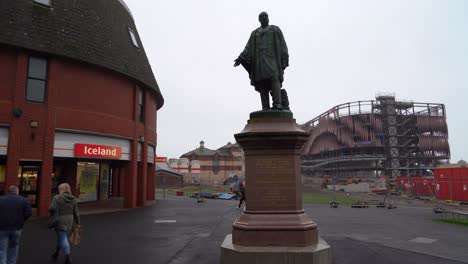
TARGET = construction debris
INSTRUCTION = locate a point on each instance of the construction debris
(360, 204)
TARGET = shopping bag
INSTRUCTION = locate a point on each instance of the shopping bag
(75, 236)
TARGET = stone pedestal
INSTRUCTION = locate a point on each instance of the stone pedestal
(273, 222)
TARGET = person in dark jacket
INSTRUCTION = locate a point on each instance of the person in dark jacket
(242, 191)
(14, 211)
(64, 208)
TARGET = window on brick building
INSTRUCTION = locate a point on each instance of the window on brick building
(133, 37)
(141, 105)
(216, 165)
(43, 2)
(36, 84)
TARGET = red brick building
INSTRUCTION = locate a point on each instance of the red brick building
(78, 102)
(212, 167)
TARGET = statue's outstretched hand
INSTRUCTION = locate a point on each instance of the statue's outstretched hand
(236, 62)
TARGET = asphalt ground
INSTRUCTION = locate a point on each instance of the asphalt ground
(180, 230)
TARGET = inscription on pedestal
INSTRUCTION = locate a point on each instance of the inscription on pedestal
(276, 197)
(274, 170)
(275, 182)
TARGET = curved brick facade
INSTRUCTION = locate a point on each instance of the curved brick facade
(96, 32)
(93, 92)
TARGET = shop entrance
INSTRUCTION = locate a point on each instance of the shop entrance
(87, 175)
(28, 178)
(104, 179)
(93, 181)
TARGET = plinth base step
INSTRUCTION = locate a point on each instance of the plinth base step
(235, 254)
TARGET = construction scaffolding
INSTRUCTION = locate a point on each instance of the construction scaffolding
(382, 137)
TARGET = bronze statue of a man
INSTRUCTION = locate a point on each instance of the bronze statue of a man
(265, 57)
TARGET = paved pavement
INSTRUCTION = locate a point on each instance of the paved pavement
(180, 230)
(406, 228)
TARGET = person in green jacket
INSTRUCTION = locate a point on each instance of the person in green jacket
(64, 209)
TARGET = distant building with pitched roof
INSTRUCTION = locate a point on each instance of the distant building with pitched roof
(213, 166)
(167, 176)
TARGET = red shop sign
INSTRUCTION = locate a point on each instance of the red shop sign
(97, 151)
(161, 159)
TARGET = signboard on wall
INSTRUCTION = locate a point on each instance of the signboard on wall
(97, 151)
(161, 159)
(64, 143)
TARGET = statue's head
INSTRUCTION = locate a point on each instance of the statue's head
(263, 18)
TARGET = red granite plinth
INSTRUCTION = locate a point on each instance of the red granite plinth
(274, 215)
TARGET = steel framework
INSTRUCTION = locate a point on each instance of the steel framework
(381, 137)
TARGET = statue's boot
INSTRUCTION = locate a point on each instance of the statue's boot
(277, 107)
(284, 99)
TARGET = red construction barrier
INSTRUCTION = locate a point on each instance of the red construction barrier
(452, 183)
(420, 186)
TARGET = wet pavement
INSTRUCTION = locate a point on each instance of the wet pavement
(180, 230)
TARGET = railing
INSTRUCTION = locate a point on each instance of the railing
(369, 107)
(306, 160)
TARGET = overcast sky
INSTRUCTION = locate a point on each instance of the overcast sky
(340, 51)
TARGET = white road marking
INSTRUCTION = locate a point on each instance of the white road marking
(165, 221)
(423, 240)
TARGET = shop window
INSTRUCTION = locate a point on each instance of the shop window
(36, 84)
(2, 178)
(93, 181)
(2, 173)
(28, 176)
(141, 105)
(87, 180)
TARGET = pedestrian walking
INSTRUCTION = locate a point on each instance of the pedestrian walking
(15, 210)
(64, 212)
(242, 192)
(235, 186)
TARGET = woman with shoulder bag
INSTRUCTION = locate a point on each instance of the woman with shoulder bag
(65, 214)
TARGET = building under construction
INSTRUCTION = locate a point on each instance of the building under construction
(382, 137)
